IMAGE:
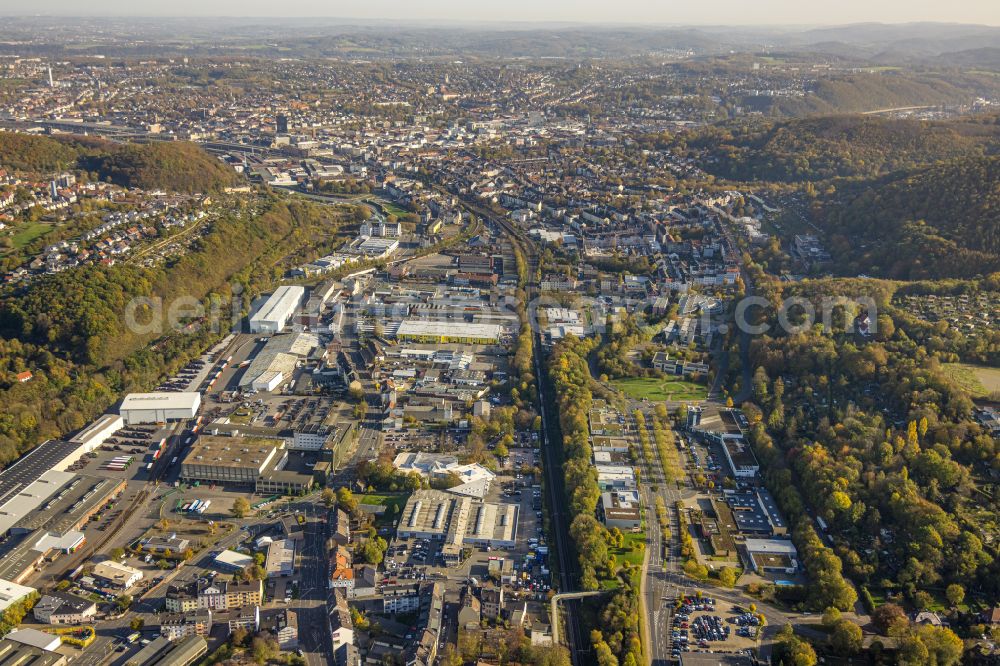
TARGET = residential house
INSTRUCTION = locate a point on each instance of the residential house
(246, 617)
(341, 624)
(342, 571)
(492, 602)
(470, 612)
(283, 624)
(366, 578)
(340, 527)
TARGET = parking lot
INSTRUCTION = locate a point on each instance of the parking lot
(701, 624)
(127, 454)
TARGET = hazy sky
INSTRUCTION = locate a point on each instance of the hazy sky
(717, 12)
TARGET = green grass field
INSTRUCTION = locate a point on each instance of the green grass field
(29, 232)
(393, 209)
(978, 381)
(657, 390)
(395, 500)
(626, 554)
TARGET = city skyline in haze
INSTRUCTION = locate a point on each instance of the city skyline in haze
(634, 12)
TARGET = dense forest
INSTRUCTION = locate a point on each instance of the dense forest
(869, 434)
(934, 222)
(895, 198)
(175, 166)
(70, 330)
(817, 149)
(26, 152)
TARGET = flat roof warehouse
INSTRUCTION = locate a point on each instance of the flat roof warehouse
(448, 331)
(277, 310)
(164, 400)
(159, 407)
(279, 299)
(237, 453)
(32, 465)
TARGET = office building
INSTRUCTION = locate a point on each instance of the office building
(116, 576)
(620, 509)
(64, 608)
(280, 558)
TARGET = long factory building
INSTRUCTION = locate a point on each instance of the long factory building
(159, 407)
(440, 332)
(273, 315)
(457, 521)
(246, 462)
(43, 507)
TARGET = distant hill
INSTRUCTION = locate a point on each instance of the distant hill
(320, 37)
(816, 149)
(175, 166)
(934, 222)
(902, 40)
(987, 58)
(863, 92)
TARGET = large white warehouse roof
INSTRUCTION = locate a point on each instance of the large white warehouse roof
(280, 305)
(448, 330)
(187, 400)
(31, 497)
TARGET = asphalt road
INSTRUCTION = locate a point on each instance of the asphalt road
(661, 561)
(311, 606)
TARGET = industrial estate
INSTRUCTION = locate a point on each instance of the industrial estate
(534, 347)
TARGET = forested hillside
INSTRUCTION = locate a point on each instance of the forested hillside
(25, 152)
(934, 222)
(817, 149)
(869, 434)
(175, 166)
(858, 93)
(70, 329)
(896, 198)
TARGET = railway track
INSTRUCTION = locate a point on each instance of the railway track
(551, 446)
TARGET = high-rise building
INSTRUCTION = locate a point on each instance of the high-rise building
(282, 123)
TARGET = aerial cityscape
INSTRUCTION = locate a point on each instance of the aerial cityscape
(385, 342)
